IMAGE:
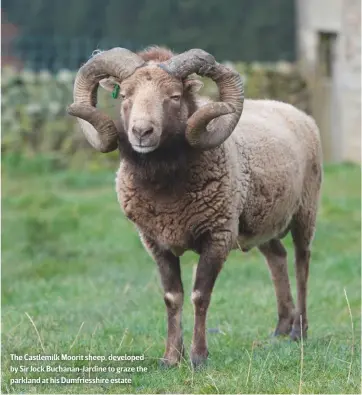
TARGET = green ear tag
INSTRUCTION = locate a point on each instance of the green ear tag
(115, 91)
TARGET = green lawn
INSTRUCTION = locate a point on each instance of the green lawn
(76, 280)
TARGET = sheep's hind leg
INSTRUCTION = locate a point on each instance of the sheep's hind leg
(302, 232)
(213, 255)
(170, 272)
(276, 258)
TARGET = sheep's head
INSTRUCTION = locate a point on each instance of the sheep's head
(157, 100)
(155, 106)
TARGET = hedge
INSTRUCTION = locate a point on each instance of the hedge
(33, 105)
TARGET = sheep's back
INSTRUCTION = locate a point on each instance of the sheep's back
(282, 148)
(270, 128)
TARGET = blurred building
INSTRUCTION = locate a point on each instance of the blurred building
(329, 51)
(9, 32)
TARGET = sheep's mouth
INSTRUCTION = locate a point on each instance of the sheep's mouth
(144, 149)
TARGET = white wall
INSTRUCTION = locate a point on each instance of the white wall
(314, 16)
(349, 57)
(344, 18)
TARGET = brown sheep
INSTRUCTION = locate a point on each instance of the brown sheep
(202, 177)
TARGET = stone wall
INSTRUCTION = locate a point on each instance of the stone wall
(351, 79)
(339, 110)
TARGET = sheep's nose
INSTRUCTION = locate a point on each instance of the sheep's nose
(141, 131)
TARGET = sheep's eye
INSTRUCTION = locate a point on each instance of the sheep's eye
(176, 97)
(122, 95)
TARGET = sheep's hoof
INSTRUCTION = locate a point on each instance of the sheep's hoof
(280, 333)
(296, 333)
(173, 355)
(166, 363)
(199, 361)
(284, 327)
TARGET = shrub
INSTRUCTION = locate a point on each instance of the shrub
(34, 105)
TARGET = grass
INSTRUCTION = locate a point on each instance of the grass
(76, 280)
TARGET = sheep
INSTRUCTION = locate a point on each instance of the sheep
(205, 176)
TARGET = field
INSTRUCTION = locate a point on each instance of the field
(76, 280)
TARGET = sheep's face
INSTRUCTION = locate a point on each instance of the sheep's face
(154, 107)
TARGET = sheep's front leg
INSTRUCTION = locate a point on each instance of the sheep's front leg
(169, 267)
(214, 253)
(170, 272)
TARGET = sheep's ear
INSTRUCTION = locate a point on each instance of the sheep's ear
(108, 83)
(193, 85)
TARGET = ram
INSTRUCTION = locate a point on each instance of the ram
(205, 176)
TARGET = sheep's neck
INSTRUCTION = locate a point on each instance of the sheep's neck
(163, 169)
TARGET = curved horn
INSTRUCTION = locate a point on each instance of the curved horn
(98, 128)
(213, 123)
